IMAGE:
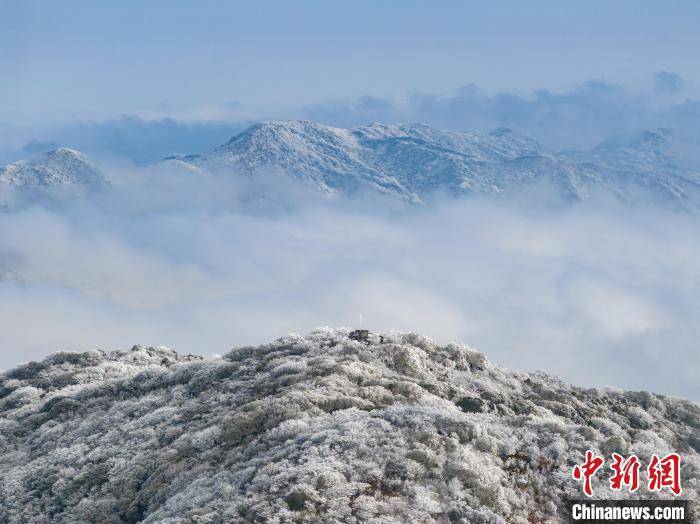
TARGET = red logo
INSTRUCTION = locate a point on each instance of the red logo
(661, 473)
(625, 473)
(586, 470)
(665, 473)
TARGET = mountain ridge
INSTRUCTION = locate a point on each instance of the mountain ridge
(316, 427)
(61, 166)
(413, 161)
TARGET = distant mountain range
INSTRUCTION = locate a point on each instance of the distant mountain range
(413, 161)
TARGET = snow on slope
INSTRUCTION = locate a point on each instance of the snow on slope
(414, 160)
(409, 161)
(61, 166)
(316, 428)
(330, 158)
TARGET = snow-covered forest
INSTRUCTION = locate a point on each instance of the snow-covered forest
(315, 428)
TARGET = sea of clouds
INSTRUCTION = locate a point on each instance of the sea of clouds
(598, 293)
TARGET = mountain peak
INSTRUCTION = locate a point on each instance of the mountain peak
(649, 152)
(282, 432)
(66, 152)
(62, 166)
(324, 156)
(660, 137)
(278, 127)
(409, 160)
(413, 159)
(502, 131)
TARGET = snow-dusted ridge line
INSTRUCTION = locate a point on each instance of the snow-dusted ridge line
(315, 428)
(414, 160)
(59, 167)
(411, 162)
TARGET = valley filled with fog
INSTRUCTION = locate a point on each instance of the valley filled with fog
(202, 257)
(349, 262)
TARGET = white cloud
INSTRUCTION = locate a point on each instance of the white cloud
(600, 295)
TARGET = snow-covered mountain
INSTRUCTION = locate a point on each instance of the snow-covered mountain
(317, 428)
(60, 167)
(328, 158)
(409, 161)
(414, 160)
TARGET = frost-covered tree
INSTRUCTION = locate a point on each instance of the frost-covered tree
(316, 428)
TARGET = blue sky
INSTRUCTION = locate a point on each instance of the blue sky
(70, 60)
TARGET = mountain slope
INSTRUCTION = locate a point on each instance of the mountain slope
(60, 167)
(646, 161)
(329, 158)
(414, 160)
(409, 161)
(316, 428)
